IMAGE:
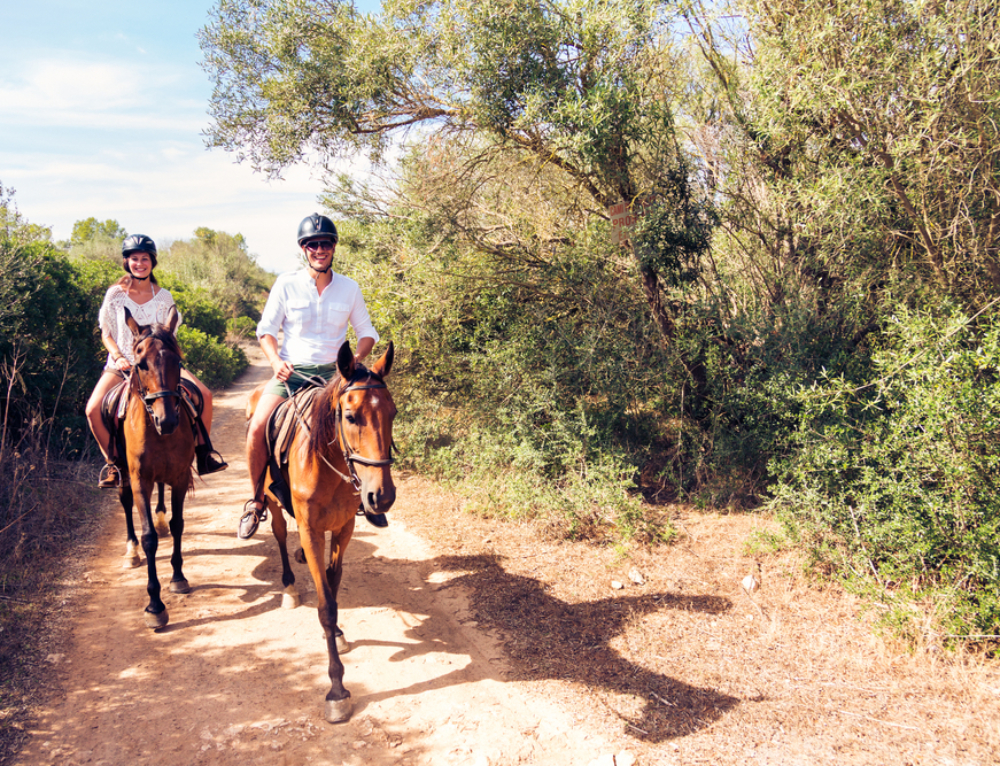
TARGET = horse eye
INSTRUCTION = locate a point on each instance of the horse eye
(350, 418)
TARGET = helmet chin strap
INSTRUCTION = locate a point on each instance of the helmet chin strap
(141, 279)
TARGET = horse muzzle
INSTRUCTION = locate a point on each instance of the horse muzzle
(380, 499)
(166, 425)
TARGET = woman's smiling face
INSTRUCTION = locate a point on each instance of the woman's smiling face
(139, 264)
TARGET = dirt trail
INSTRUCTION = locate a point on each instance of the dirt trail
(236, 679)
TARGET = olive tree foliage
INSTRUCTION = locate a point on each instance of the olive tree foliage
(90, 228)
(874, 131)
(584, 88)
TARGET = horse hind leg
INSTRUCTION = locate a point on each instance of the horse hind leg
(130, 559)
(279, 526)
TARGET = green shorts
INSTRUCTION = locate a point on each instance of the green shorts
(278, 387)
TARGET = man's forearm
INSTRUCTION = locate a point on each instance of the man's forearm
(365, 346)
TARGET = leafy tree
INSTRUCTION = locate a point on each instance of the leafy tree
(48, 356)
(876, 127)
(582, 88)
(219, 264)
(90, 229)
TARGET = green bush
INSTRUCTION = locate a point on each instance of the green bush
(241, 328)
(215, 363)
(197, 308)
(892, 483)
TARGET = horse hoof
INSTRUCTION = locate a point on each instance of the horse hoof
(338, 711)
(155, 621)
(343, 647)
(161, 526)
(180, 586)
(290, 598)
(300, 556)
(131, 556)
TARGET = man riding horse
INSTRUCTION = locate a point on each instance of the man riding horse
(313, 307)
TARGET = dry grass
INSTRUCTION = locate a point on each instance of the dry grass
(46, 531)
(688, 668)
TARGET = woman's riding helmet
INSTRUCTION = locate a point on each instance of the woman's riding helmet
(139, 243)
(315, 226)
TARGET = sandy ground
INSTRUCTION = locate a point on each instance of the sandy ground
(487, 643)
(234, 678)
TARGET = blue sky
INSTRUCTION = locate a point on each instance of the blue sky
(102, 106)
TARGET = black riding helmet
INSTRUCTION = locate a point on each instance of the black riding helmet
(138, 243)
(317, 225)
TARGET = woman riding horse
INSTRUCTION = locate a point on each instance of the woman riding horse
(149, 304)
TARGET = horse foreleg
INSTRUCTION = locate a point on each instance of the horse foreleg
(131, 554)
(178, 583)
(279, 526)
(334, 574)
(156, 610)
(338, 699)
(162, 528)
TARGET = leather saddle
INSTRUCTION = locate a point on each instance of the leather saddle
(288, 417)
(114, 407)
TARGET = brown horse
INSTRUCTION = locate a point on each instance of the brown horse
(342, 452)
(159, 448)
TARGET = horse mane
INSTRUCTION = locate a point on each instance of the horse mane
(168, 339)
(323, 429)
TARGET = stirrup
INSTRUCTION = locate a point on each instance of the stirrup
(210, 462)
(251, 519)
(109, 477)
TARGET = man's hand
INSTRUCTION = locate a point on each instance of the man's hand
(282, 369)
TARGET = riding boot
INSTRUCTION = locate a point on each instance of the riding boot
(110, 477)
(251, 519)
(206, 461)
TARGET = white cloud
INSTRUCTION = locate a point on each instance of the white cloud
(89, 93)
(167, 192)
(121, 139)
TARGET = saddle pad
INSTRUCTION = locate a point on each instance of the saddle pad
(286, 419)
(114, 406)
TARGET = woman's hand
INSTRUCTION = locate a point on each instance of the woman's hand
(122, 363)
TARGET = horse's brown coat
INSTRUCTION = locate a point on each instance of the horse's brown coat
(324, 501)
(159, 447)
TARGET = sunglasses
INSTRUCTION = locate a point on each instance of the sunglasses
(317, 245)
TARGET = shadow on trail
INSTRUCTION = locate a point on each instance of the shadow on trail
(546, 638)
(551, 639)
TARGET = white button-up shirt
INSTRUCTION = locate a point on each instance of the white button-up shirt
(315, 325)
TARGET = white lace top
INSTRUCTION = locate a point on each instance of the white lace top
(112, 316)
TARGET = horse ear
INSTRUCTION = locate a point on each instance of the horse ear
(384, 364)
(132, 324)
(345, 361)
(173, 319)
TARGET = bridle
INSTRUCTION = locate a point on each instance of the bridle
(147, 398)
(350, 456)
